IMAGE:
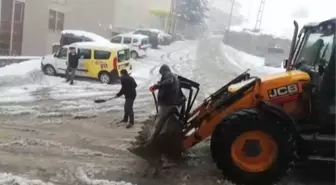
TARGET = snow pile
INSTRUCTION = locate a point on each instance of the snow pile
(246, 61)
(17, 110)
(83, 178)
(9, 179)
(19, 57)
(16, 80)
(25, 81)
(20, 69)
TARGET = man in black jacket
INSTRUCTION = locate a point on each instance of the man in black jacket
(128, 89)
(170, 97)
(72, 65)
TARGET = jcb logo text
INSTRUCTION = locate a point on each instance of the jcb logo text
(282, 91)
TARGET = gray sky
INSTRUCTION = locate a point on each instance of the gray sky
(278, 13)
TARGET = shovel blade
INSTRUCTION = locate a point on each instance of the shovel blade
(100, 101)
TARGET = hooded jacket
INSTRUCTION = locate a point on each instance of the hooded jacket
(128, 87)
(169, 88)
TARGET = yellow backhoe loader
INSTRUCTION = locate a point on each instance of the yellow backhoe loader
(261, 126)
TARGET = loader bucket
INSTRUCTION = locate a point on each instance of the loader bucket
(168, 142)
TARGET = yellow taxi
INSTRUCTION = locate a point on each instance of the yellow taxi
(102, 61)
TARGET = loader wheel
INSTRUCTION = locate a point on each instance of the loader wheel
(251, 150)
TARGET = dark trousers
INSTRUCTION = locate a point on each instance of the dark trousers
(128, 110)
(160, 120)
(71, 76)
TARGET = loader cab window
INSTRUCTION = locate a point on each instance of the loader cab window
(317, 47)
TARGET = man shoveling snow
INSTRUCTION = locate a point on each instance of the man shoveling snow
(165, 137)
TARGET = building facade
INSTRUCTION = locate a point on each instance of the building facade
(132, 14)
(45, 19)
(11, 26)
(38, 24)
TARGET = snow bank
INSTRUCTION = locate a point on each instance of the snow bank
(19, 57)
(261, 32)
(25, 82)
(20, 69)
(81, 175)
(9, 179)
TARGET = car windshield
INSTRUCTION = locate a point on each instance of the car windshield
(317, 48)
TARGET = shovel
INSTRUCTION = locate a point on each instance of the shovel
(104, 100)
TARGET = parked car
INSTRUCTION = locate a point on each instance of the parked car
(164, 38)
(73, 36)
(138, 43)
(101, 61)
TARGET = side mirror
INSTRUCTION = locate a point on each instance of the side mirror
(56, 54)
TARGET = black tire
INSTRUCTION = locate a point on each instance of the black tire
(134, 55)
(105, 78)
(49, 70)
(241, 122)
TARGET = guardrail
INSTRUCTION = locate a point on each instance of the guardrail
(7, 60)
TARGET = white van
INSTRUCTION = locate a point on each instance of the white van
(138, 43)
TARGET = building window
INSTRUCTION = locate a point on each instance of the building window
(56, 20)
(60, 21)
(127, 40)
(18, 14)
(86, 53)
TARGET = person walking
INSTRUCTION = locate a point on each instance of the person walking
(128, 89)
(73, 59)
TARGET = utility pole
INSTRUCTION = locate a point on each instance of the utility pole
(229, 24)
(12, 29)
(171, 17)
(259, 16)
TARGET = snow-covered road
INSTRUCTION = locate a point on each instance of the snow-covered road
(54, 132)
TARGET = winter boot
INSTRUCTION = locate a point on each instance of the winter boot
(129, 125)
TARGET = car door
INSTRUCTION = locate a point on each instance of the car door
(84, 61)
(145, 43)
(61, 59)
(127, 41)
(100, 62)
